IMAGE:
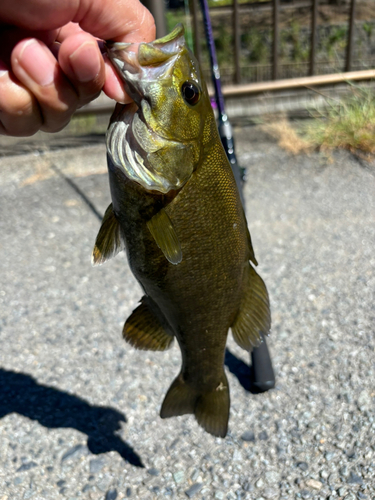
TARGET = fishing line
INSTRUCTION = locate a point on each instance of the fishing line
(224, 126)
(189, 28)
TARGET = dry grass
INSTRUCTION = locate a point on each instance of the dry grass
(286, 136)
(347, 124)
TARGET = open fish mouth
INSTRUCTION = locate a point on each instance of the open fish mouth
(138, 64)
(131, 137)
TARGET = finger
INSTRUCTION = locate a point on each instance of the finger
(38, 14)
(10, 36)
(119, 20)
(81, 61)
(36, 68)
(19, 112)
(113, 86)
(124, 21)
(67, 31)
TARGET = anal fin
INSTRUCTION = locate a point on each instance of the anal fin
(211, 408)
(109, 241)
(254, 316)
(145, 328)
(165, 236)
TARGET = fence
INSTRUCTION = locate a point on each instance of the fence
(264, 72)
(275, 70)
(240, 80)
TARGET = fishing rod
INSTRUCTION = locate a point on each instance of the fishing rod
(262, 374)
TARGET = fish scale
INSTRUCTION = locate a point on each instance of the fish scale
(182, 225)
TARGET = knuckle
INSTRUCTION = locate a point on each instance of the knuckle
(19, 112)
(86, 98)
(17, 102)
(18, 127)
(149, 23)
(57, 108)
(54, 125)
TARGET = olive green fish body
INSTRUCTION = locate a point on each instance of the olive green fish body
(187, 244)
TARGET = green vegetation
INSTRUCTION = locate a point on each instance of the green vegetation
(174, 17)
(368, 29)
(224, 45)
(336, 41)
(294, 49)
(295, 43)
(87, 124)
(83, 124)
(255, 45)
(229, 3)
(348, 123)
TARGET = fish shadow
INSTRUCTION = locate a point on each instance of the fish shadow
(52, 408)
(241, 371)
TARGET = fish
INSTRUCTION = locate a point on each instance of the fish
(177, 213)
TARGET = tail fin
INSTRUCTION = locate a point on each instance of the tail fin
(211, 409)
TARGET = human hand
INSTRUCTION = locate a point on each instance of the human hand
(50, 61)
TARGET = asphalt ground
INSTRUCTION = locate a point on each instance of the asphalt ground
(79, 408)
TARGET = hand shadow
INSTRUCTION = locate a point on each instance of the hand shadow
(53, 408)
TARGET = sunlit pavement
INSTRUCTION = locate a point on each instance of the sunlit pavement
(79, 408)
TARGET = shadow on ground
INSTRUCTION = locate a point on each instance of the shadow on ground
(246, 375)
(240, 370)
(20, 393)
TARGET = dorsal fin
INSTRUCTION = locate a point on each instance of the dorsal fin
(109, 241)
(165, 236)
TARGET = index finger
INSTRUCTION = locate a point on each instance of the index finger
(124, 20)
(131, 22)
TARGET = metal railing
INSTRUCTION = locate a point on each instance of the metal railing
(276, 75)
(276, 69)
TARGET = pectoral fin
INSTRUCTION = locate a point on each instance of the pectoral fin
(145, 328)
(109, 241)
(254, 315)
(165, 236)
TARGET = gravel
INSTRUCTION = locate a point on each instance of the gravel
(79, 408)
(193, 490)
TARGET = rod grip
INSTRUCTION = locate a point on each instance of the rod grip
(262, 374)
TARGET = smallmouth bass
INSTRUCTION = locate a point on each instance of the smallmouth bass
(176, 211)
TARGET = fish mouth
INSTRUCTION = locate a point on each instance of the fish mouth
(131, 140)
(138, 64)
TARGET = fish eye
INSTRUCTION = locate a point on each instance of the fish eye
(190, 92)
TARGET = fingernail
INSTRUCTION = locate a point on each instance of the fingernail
(38, 62)
(85, 62)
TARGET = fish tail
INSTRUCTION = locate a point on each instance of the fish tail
(211, 408)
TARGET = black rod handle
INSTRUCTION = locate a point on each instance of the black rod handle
(263, 376)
